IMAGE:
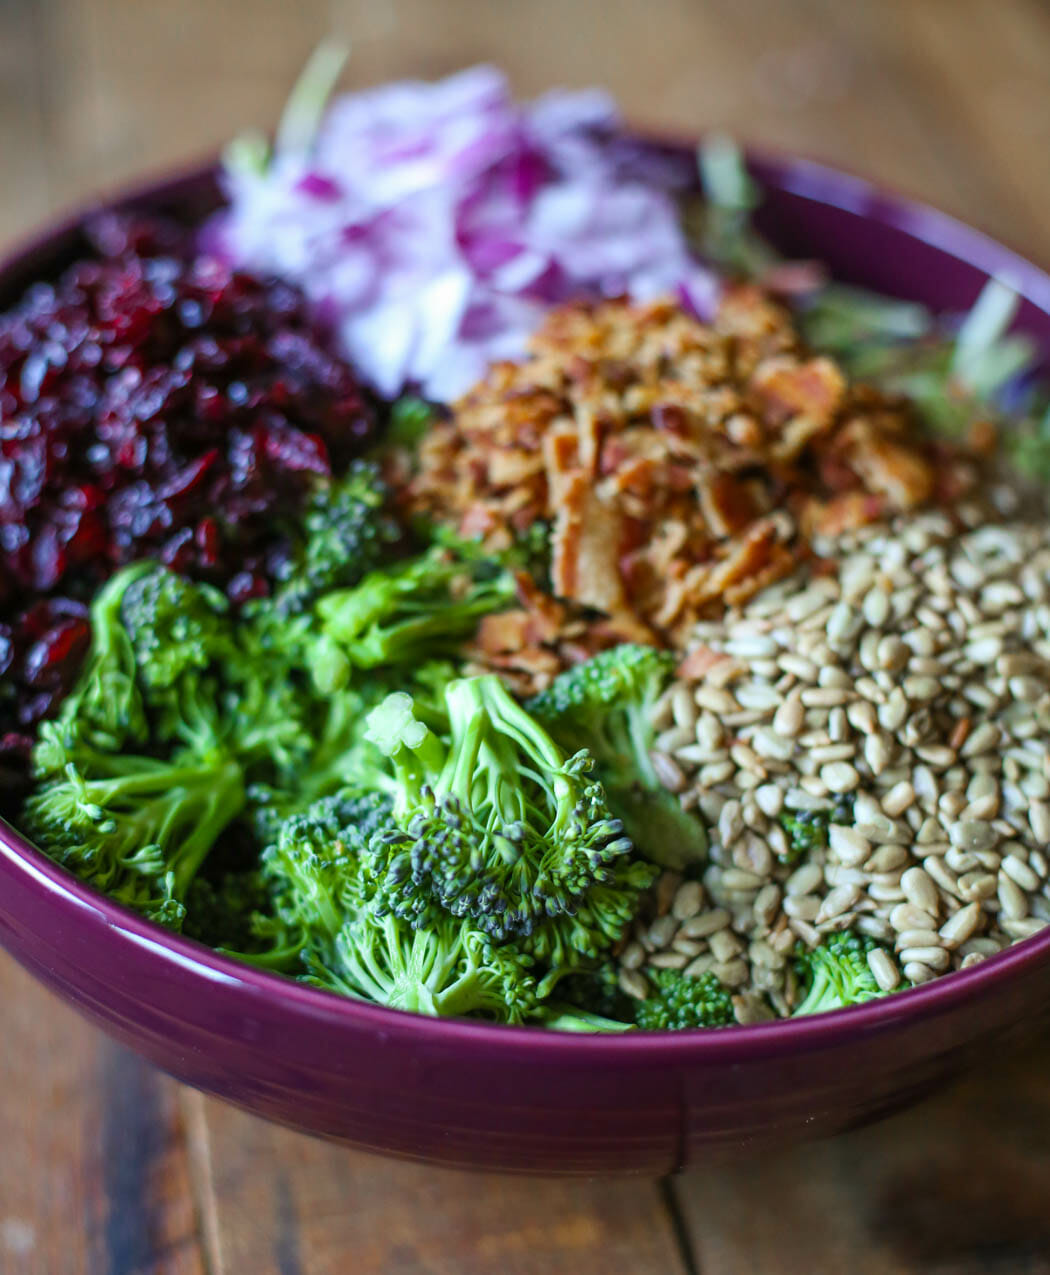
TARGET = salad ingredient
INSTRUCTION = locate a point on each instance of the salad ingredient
(807, 830)
(605, 705)
(437, 223)
(415, 610)
(838, 972)
(902, 703)
(680, 465)
(135, 827)
(964, 374)
(474, 864)
(331, 902)
(137, 824)
(154, 403)
(676, 1001)
(348, 529)
(496, 823)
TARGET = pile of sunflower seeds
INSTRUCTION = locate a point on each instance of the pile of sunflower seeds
(907, 693)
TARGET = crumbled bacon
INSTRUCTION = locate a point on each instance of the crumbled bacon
(680, 466)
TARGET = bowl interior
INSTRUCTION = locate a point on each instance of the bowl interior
(866, 237)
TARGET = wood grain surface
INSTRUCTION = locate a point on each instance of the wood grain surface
(106, 1167)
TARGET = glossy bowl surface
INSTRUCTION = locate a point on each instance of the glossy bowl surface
(521, 1099)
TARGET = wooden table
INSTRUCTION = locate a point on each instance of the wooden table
(107, 1167)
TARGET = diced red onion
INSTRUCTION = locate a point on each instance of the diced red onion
(434, 224)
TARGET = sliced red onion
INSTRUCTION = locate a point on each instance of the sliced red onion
(434, 224)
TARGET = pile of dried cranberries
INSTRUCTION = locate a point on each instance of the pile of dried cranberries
(153, 403)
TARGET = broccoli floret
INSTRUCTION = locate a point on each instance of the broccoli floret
(495, 822)
(836, 974)
(348, 529)
(221, 912)
(410, 418)
(450, 968)
(807, 830)
(416, 610)
(323, 877)
(679, 1001)
(316, 866)
(175, 625)
(105, 706)
(605, 705)
(268, 704)
(136, 828)
(529, 550)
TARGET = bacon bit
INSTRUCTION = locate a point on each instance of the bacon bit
(795, 437)
(568, 531)
(960, 733)
(560, 458)
(744, 431)
(728, 504)
(888, 467)
(746, 559)
(845, 513)
(506, 631)
(671, 418)
(512, 466)
(784, 389)
(548, 615)
(586, 550)
(699, 662)
(589, 440)
(682, 465)
(782, 562)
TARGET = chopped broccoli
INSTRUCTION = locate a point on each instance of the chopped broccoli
(137, 828)
(497, 823)
(315, 866)
(529, 551)
(680, 1001)
(416, 610)
(410, 418)
(105, 706)
(326, 890)
(605, 706)
(836, 974)
(807, 831)
(221, 911)
(562, 1016)
(450, 968)
(174, 625)
(348, 529)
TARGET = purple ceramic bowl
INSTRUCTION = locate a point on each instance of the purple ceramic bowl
(520, 1099)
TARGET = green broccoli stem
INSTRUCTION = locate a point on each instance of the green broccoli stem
(224, 799)
(212, 796)
(561, 1017)
(279, 960)
(106, 697)
(491, 731)
(403, 968)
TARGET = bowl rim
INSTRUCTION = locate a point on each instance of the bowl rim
(797, 175)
